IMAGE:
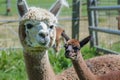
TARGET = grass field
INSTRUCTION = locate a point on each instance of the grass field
(38, 3)
(12, 65)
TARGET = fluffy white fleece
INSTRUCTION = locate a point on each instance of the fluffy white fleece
(41, 15)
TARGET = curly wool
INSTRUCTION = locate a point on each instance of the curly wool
(104, 64)
(40, 14)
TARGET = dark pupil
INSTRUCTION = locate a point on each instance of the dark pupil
(75, 48)
(51, 27)
(29, 26)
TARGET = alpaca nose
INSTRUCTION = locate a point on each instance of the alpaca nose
(43, 34)
(67, 53)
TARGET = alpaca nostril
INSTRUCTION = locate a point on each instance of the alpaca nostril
(43, 35)
(67, 54)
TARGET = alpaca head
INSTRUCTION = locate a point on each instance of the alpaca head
(37, 29)
(37, 26)
(73, 46)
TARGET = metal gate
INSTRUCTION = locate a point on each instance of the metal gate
(97, 11)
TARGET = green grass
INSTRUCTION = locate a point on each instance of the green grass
(12, 65)
(116, 47)
(59, 62)
(37, 3)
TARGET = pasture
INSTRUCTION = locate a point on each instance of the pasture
(12, 65)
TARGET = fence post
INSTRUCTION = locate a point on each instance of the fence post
(8, 7)
(75, 18)
(118, 17)
(118, 2)
(96, 21)
(92, 21)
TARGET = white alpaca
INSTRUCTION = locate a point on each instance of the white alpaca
(37, 34)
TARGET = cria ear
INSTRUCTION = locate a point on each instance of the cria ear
(65, 36)
(22, 7)
(85, 41)
(56, 7)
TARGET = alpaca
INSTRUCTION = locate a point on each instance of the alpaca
(54, 9)
(59, 39)
(37, 34)
(72, 51)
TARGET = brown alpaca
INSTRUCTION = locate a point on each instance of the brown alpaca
(59, 39)
(37, 34)
(72, 48)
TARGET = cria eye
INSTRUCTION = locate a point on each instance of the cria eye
(66, 46)
(29, 26)
(51, 27)
(75, 48)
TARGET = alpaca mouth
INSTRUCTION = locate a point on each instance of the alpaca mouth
(43, 41)
(70, 55)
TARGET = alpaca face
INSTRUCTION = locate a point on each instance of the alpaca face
(39, 33)
(37, 29)
(72, 47)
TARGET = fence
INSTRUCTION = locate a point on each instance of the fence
(104, 25)
(9, 34)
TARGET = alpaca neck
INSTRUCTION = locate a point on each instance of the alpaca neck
(38, 66)
(81, 68)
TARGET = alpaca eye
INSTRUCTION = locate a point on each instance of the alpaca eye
(75, 48)
(51, 27)
(66, 46)
(29, 26)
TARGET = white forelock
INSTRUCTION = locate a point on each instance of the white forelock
(40, 14)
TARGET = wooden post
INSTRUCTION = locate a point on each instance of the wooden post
(75, 18)
(118, 17)
(118, 2)
(8, 7)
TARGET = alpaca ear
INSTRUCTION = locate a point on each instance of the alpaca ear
(65, 36)
(85, 41)
(22, 7)
(56, 7)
